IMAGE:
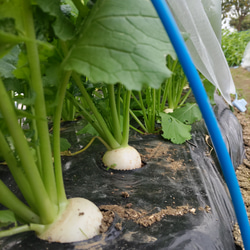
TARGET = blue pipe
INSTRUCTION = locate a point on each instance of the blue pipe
(208, 115)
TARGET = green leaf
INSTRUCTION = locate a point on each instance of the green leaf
(122, 41)
(8, 62)
(11, 23)
(188, 114)
(62, 26)
(210, 89)
(64, 144)
(22, 70)
(88, 129)
(20, 99)
(7, 41)
(7, 217)
(11, 10)
(174, 130)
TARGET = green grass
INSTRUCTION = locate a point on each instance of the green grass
(233, 45)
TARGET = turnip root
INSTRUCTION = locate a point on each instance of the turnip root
(125, 158)
(80, 220)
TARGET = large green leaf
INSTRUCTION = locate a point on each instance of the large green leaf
(174, 130)
(11, 10)
(88, 129)
(11, 22)
(62, 26)
(122, 41)
(8, 62)
(188, 114)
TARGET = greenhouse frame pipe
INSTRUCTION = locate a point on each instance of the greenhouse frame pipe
(201, 97)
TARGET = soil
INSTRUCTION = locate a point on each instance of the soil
(242, 82)
(142, 217)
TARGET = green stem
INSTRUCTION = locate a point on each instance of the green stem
(152, 119)
(56, 139)
(118, 102)
(126, 121)
(17, 172)
(114, 115)
(185, 97)
(145, 117)
(158, 100)
(36, 140)
(46, 210)
(134, 97)
(88, 145)
(86, 115)
(9, 200)
(170, 93)
(179, 91)
(21, 229)
(137, 130)
(168, 86)
(82, 9)
(137, 120)
(108, 135)
(40, 107)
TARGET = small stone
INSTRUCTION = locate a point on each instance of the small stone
(118, 226)
(125, 194)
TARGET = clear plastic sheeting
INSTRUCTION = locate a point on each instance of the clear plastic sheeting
(246, 58)
(174, 176)
(213, 11)
(201, 23)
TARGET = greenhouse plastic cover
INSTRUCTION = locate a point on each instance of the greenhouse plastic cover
(202, 21)
(174, 175)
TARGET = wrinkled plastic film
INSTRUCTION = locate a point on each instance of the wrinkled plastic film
(203, 44)
(213, 11)
(246, 58)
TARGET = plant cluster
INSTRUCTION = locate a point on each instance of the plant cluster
(233, 45)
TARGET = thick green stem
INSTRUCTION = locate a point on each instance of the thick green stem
(46, 210)
(108, 135)
(56, 139)
(114, 115)
(40, 107)
(126, 121)
(9, 200)
(17, 172)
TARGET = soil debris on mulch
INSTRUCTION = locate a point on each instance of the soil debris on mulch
(145, 218)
